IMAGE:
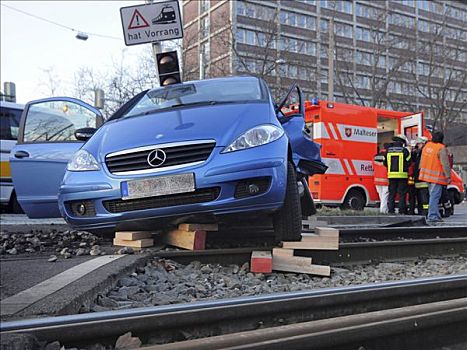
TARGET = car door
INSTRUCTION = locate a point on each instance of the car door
(46, 142)
(305, 152)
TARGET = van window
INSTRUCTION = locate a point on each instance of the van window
(56, 121)
(9, 123)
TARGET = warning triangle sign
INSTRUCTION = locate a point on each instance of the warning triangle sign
(137, 21)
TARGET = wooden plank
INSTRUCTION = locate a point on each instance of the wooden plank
(282, 252)
(310, 237)
(261, 262)
(198, 227)
(139, 243)
(320, 270)
(327, 231)
(291, 260)
(191, 240)
(133, 235)
(317, 243)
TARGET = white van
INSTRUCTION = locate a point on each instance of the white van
(10, 116)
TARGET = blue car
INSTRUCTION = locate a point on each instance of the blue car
(205, 151)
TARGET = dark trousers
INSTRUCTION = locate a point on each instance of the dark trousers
(423, 197)
(412, 199)
(398, 186)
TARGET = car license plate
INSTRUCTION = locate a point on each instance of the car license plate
(158, 186)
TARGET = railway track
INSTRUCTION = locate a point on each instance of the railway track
(432, 311)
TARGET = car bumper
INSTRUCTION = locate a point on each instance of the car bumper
(222, 172)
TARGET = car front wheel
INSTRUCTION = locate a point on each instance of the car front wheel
(288, 220)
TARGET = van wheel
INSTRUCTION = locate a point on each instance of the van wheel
(354, 200)
(14, 205)
(288, 220)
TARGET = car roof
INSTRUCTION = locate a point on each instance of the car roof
(11, 105)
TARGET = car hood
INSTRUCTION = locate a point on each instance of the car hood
(222, 123)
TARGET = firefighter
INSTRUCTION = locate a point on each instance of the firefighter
(397, 162)
(411, 179)
(421, 187)
(381, 180)
(435, 169)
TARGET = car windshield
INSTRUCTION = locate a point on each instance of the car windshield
(207, 92)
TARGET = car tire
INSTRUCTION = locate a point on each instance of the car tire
(288, 220)
(14, 205)
(354, 200)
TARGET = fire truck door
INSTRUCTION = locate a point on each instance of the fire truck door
(411, 126)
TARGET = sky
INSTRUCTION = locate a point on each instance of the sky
(28, 46)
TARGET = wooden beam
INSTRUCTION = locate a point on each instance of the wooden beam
(132, 235)
(313, 242)
(282, 264)
(191, 240)
(282, 252)
(327, 231)
(139, 243)
(291, 260)
(261, 262)
(198, 227)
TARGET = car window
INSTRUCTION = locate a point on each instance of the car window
(215, 91)
(9, 123)
(54, 121)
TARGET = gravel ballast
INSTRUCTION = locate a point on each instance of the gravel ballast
(163, 282)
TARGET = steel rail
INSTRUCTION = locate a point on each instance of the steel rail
(215, 317)
(348, 253)
(394, 328)
(415, 232)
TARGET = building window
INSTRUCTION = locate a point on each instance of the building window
(338, 5)
(311, 49)
(283, 17)
(323, 25)
(362, 82)
(311, 22)
(240, 8)
(401, 20)
(301, 21)
(362, 34)
(344, 30)
(261, 39)
(240, 36)
(250, 37)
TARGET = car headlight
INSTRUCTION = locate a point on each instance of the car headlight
(82, 161)
(257, 136)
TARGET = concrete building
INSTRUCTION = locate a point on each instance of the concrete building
(405, 54)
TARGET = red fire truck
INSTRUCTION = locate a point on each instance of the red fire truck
(349, 136)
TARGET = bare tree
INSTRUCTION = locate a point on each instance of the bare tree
(441, 75)
(384, 65)
(51, 83)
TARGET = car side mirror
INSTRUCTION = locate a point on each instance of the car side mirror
(84, 134)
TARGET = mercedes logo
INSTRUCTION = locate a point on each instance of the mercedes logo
(156, 158)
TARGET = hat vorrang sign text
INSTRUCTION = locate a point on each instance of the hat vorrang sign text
(148, 33)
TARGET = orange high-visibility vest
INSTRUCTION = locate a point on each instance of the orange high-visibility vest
(431, 169)
(380, 174)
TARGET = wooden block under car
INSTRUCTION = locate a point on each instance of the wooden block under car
(261, 262)
(292, 261)
(198, 227)
(139, 243)
(191, 240)
(132, 235)
(282, 252)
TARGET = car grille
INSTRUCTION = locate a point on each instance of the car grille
(198, 196)
(184, 154)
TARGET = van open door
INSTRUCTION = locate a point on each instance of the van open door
(412, 126)
(46, 142)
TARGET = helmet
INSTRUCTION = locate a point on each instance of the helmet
(401, 138)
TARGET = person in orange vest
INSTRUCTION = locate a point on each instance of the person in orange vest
(381, 180)
(435, 169)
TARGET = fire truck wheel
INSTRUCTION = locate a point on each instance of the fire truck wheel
(288, 220)
(354, 200)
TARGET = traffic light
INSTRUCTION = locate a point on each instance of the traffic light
(168, 68)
